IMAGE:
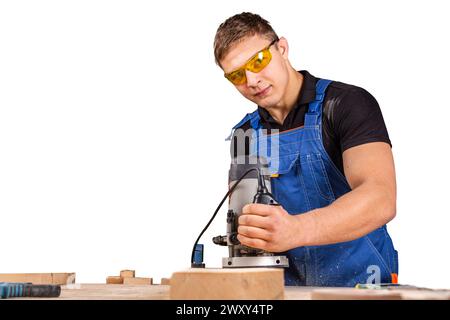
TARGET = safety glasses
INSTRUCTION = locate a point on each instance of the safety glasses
(256, 63)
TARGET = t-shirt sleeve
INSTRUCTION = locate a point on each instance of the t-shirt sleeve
(358, 120)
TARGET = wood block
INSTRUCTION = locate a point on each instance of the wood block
(114, 280)
(165, 281)
(39, 278)
(139, 281)
(231, 284)
(127, 273)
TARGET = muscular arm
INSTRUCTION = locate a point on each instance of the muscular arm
(369, 169)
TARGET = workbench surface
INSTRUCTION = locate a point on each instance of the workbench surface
(161, 292)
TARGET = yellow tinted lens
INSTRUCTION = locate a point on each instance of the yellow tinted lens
(237, 77)
(259, 61)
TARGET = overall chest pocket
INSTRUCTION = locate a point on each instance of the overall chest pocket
(287, 188)
(315, 178)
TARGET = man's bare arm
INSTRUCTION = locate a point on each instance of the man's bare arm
(369, 169)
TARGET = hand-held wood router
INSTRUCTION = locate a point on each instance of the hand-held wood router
(249, 182)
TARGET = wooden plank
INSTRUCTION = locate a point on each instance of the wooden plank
(379, 294)
(127, 273)
(297, 293)
(354, 294)
(39, 278)
(424, 294)
(238, 283)
(113, 292)
(114, 280)
(138, 281)
(165, 281)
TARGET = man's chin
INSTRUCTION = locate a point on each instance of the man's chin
(266, 103)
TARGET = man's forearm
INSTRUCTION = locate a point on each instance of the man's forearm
(355, 214)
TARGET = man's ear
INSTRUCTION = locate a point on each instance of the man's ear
(283, 47)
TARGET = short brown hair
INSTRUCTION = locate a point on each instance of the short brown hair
(238, 27)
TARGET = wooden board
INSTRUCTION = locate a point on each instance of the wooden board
(236, 283)
(114, 280)
(113, 292)
(165, 281)
(127, 273)
(311, 293)
(138, 281)
(354, 294)
(39, 278)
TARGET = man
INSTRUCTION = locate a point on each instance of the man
(335, 178)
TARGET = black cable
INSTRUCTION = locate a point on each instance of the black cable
(218, 208)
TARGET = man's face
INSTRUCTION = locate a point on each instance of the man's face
(266, 88)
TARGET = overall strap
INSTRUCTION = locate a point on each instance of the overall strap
(315, 107)
(254, 122)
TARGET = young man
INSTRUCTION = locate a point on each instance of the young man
(335, 177)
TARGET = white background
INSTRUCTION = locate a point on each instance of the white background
(113, 117)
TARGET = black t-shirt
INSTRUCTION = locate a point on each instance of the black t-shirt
(351, 117)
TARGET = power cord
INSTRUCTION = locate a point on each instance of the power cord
(193, 264)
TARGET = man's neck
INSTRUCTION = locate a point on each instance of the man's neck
(295, 82)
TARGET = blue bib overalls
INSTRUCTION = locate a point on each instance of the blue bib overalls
(307, 179)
